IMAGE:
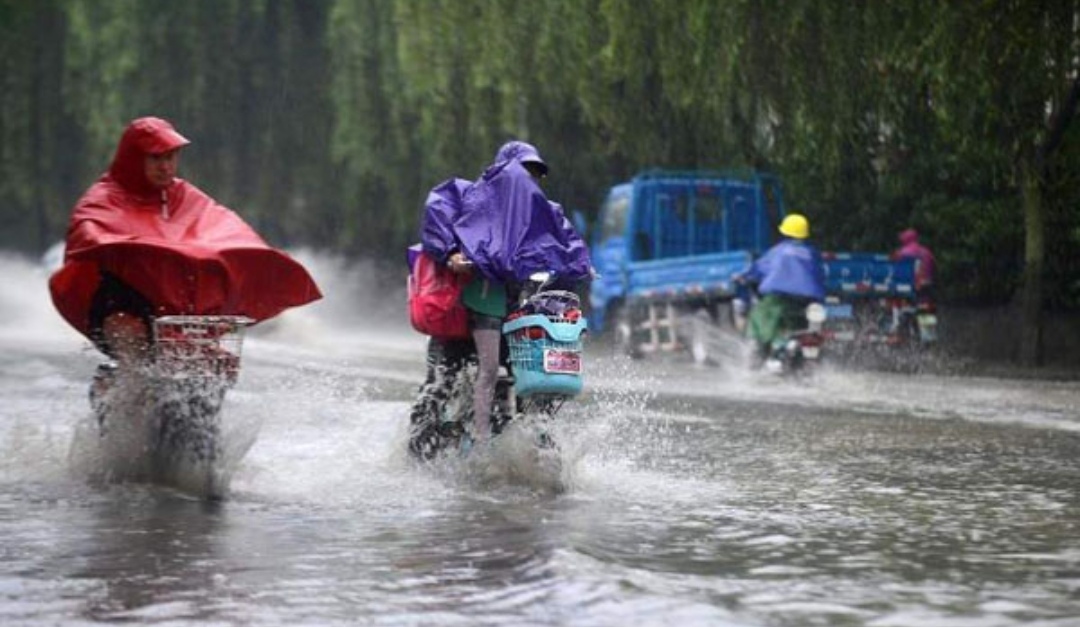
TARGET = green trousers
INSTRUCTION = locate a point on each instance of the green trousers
(774, 316)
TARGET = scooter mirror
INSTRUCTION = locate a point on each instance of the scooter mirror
(815, 313)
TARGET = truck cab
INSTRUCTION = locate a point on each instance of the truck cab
(668, 242)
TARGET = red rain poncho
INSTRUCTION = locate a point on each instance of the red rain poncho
(176, 247)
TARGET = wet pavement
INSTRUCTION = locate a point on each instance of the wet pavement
(698, 496)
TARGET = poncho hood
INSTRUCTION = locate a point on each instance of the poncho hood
(144, 136)
(520, 151)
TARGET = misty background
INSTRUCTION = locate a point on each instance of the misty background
(325, 122)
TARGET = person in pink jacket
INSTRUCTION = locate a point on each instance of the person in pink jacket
(924, 259)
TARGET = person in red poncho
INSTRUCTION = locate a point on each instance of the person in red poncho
(144, 243)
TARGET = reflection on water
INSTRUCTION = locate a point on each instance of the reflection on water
(159, 551)
(742, 515)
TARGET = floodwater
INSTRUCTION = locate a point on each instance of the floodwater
(691, 496)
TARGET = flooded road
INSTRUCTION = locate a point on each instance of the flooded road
(692, 496)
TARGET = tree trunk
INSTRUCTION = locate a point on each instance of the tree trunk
(1033, 171)
(1031, 291)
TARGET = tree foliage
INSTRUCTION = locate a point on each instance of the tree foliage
(326, 121)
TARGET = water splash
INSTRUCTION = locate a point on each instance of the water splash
(151, 431)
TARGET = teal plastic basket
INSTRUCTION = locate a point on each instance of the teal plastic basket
(527, 355)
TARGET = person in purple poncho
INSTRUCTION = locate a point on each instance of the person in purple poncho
(499, 230)
(789, 276)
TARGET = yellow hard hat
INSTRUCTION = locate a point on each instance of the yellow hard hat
(795, 225)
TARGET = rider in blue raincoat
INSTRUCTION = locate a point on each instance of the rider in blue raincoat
(790, 276)
(499, 229)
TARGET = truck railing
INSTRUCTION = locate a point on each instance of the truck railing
(854, 275)
(687, 277)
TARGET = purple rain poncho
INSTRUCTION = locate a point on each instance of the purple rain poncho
(792, 268)
(505, 225)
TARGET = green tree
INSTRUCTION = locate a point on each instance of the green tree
(1004, 80)
(325, 122)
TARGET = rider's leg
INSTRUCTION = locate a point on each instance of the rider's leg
(487, 334)
(432, 360)
(764, 325)
(100, 386)
(128, 336)
(422, 412)
(445, 360)
(794, 314)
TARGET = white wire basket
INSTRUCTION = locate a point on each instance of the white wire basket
(199, 346)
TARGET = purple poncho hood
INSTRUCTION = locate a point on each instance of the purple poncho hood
(505, 225)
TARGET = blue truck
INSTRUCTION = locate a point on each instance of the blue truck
(668, 245)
